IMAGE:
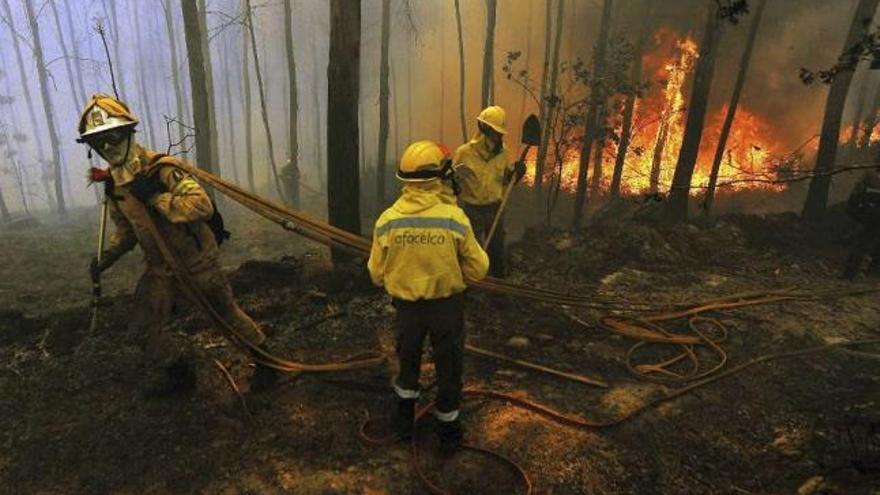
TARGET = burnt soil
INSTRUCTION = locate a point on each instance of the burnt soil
(73, 418)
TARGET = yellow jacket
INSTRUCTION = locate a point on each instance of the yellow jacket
(179, 214)
(423, 246)
(482, 174)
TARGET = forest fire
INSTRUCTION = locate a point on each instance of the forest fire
(658, 131)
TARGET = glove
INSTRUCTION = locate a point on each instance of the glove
(519, 170)
(143, 188)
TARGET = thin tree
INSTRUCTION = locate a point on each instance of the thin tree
(522, 101)
(249, 24)
(732, 106)
(4, 211)
(820, 185)
(488, 54)
(677, 206)
(43, 78)
(198, 85)
(209, 80)
(630, 105)
(175, 72)
(384, 94)
(293, 111)
(462, 100)
(117, 61)
(75, 97)
(29, 104)
(246, 101)
(343, 82)
(152, 136)
(76, 54)
(231, 124)
(593, 112)
(316, 102)
(549, 84)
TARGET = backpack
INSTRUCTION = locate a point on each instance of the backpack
(215, 223)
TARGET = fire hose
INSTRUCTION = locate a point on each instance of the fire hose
(644, 329)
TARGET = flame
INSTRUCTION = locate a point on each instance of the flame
(658, 132)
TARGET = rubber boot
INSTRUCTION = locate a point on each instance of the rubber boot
(404, 418)
(450, 434)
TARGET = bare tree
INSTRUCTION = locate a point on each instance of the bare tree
(246, 101)
(384, 94)
(316, 101)
(117, 61)
(231, 124)
(462, 100)
(4, 211)
(732, 106)
(175, 72)
(677, 205)
(43, 77)
(75, 97)
(488, 54)
(152, 136)
(209, 75)
(198, 83)
(293, 111)
(549, 85)
(630, 105)
(343, 83)
(820, 185)
(593, 112)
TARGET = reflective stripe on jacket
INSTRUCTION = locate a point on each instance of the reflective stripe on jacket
(482, 174)
(424, 247)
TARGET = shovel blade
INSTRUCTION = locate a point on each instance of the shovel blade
(531, 131)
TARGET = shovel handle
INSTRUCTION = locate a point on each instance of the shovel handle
(507, 190)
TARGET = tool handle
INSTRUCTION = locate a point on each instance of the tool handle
(507, 190)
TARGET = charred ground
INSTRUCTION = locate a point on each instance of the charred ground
(74, 421)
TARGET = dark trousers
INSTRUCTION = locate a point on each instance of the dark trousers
(481, 217)
(443, 321)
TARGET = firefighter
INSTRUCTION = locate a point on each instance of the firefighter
(485, 170)
(423, 251)
(144, 186)
(864, 206)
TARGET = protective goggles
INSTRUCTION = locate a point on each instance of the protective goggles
(111, 137)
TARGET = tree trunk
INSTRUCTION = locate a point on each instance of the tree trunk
(147, 110)
(76, 55)
(47, 108)
(76, 98)
(175, 73)
(199, 86)
(528, 59)
(592, 119)
(293, 112)
(343, 82)
(488, 54)
(693, 131)
(596, 179)
(231, 123)
(209, 80)
(117, 61)
(316, 101)
(4, 211)
(820, 185)
(859, 107)
(261, 91)
(462, 99)
(397, 126)
(248, 110)
(731, 109)
(548, 93)
(384, 94)
(629, 108)
(29, 103)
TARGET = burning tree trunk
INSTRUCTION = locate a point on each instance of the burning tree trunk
(343, 82)
(293, 112)
(592, 118)
(42, 77)
(488, 54)
(199, 86)
(175, 73)
(817, 195)
(147, 112)
(246, 89)
(549, 100)
(260, 88)
(734, 102)
(29, 103)
(693, 133)
(629, 108)
(384, 93)
(461, 74)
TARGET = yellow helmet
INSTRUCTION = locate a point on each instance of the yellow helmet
(494, 117)
(103, 113)
(423, 161)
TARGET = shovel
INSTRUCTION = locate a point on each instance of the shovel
(531, 136)
(96, 283)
